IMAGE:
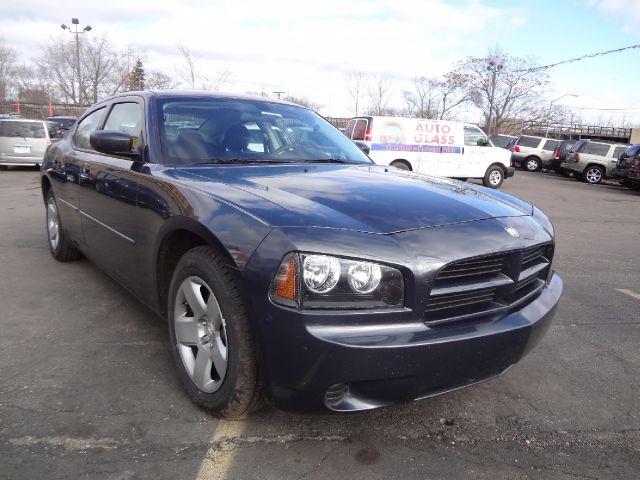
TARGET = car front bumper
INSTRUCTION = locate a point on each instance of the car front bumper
(360, 367)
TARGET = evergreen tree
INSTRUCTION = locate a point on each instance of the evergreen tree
(136, 77)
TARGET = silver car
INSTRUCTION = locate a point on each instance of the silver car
(22, 142)
(530, 152)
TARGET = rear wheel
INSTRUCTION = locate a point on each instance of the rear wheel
(532, 164)
(401, 164)
(593, 174)
(61, 247)
(211, 339)
(3, 168)
(566, 173)
(493, 177)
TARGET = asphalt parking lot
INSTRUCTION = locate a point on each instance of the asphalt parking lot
(88, 388)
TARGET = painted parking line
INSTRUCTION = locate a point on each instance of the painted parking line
(631, 293)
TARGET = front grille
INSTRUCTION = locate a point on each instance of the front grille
(481, 287)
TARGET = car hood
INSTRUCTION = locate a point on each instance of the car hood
(368, 198)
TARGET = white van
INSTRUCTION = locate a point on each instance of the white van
(433, 147)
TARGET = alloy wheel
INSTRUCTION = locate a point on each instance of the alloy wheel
(53, 223)
(201, 334)
(593, 175)
(532, 165)
(495, 177)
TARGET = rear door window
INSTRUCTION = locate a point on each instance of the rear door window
(592, 148)
(359, 129)
(529, 142)
(551, 145)
(16, 129)
(349, 129)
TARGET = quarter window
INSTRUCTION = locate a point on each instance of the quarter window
(551, 145)
(618, 151)
(86, 127)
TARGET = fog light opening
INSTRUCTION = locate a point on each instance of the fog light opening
(335, 394)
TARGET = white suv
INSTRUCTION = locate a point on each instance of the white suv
(530, 152)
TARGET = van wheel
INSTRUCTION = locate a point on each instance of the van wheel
(401, 165)
(593, 174)
(211, 339)
(494, 177)
(532, 164)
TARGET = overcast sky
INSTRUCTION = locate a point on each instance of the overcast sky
(305, 48)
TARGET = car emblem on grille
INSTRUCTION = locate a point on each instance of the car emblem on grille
(513, 232)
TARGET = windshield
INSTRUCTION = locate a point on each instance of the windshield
(208, 130)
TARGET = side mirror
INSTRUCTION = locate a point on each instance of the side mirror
(483, 142)
(113, 142)
(362, 146)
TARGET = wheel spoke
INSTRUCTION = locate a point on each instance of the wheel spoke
(202, 369)
(186, 330)
(52, 231)
(213, 311)
(219, 357)
(194, 298)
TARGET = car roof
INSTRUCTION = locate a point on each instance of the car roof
(199, 94)
(20, 120)
(64, 117)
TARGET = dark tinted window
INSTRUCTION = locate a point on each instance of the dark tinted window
(349, 129)
(530, 142)
(500, 140)
(551, 145)
(593, 148)
(15, 129)
(197, 130)
(618, 151)
(359, 129)
(86, 127)
(566, 145)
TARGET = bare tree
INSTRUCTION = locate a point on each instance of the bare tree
(455, 90)
(8, 59)
(193, 77)
(379, 90)
(423, 101)
(102, 73)
(304, 101)
(356, 83)
(155, 80)
(518, 92)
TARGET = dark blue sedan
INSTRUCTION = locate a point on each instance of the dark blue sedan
(287, 264)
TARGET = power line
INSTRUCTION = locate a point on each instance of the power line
(577, 59)
(604, 109)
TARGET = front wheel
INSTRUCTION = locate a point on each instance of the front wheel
(61, 247)
(401, 165)
(593, 174)
(211, 339)
(494, 177)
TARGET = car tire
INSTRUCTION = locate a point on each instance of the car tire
(401, 165)
(532, 164)
(61, 247)
(212, 341)
(567, 173)
(3, 168)
(493, 177)
(593, 174)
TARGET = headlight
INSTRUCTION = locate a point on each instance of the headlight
(307, 280)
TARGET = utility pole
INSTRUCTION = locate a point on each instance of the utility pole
(76, 32)
(494, 68)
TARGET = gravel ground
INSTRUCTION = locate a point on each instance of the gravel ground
(88, 390)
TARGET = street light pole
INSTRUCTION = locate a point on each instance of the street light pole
(546, 133)
(76, 32)
(494, 68)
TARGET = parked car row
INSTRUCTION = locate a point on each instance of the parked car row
(23, 142)
(591, 161)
